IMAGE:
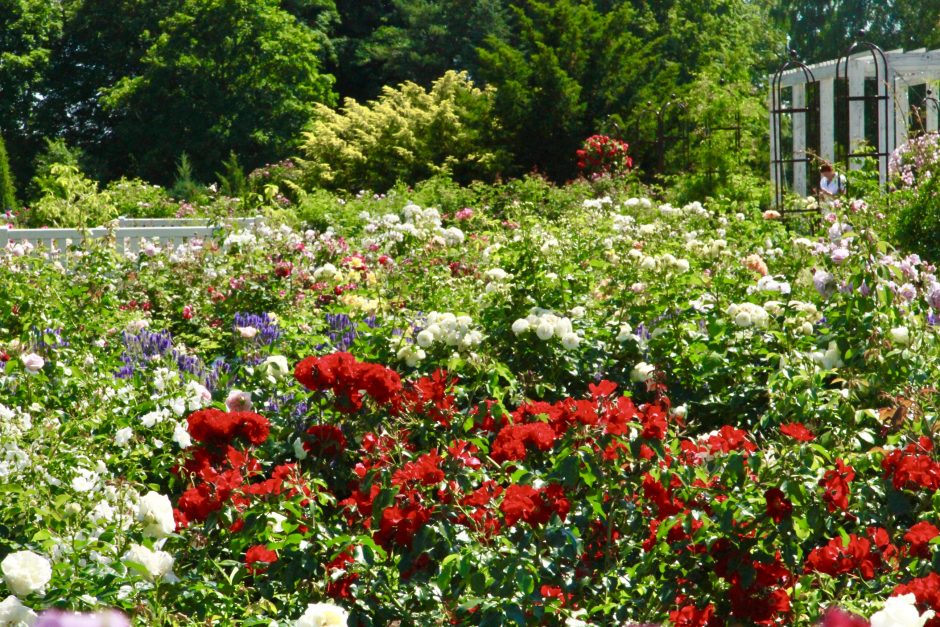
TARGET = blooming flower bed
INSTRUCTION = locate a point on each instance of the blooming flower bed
(629, 413)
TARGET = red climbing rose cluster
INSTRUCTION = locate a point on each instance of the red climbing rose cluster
(602, 155)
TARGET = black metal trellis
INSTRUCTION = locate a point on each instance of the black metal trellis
(929, 101)
(710, 130)
(675, 111)
(777, 111)
(884, 103)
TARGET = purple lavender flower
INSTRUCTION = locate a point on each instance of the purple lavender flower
(267, 330)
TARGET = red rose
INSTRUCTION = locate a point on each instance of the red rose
(779, 506)
(919, 537)
(797, 431)
(259, 554)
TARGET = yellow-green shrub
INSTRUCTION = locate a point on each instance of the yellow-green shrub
(407, 134)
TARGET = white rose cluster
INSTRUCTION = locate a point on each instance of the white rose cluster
(446, 328)
(802, 316)
(423, 224)
(642, 372)
(638, 203)
(323, 615)
(546, 325)
(25, 572)
(901, 336)
(411, 354)
(155, 511)
(770, 284)
(828, 359)
(157, 564)
(664, 262)
(496, 279)
(13, 612)
(596, 203)
(746, 315)
(900, 611)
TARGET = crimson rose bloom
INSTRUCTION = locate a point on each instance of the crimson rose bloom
(778, 505)
(920, 536)
(259, 554)
(836, 483)
(797, 431)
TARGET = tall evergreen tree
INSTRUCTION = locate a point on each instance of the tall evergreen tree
(7, 190)
(28, 30)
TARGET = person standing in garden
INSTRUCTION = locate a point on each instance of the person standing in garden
(831, 184)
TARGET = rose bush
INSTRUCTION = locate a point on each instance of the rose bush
(558, 406)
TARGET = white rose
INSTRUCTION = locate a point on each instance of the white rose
(159, 564)
(425, 338)
(323, 615)
(900, 611)
(411, 355)
(33, 363)
(181, 436)
(123, 436)
(299, 451)
(900, 335)
(545, 330)
(12, 612)
(496, 274)
(25, 572)
(520, 326)
(642, 372)
(742, 319)
(238, 400)
(570, 341)
(156, 513)
(276, 366)
(625, 333)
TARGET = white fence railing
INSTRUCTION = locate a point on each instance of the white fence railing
(129, 235)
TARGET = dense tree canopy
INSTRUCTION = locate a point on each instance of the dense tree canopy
(571, 65)
(135, 83)
(820, 30)
(224, 75)
(28, 30)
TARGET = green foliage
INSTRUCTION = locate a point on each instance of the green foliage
(819, 31)
(232, 179)
(223, 75)
(56, 152)
(29, 30)
(134, 198)
(389, 42)
(185, 186)
(569, 68)
(7, 190)
(406, 134)
(917, 221)
(92, 53)
(70, 199)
